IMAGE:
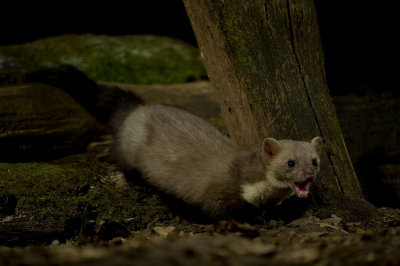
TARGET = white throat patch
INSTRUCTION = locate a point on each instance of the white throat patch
(255, 193)
(261, 192)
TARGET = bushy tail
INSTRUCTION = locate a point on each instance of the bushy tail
(107, 104)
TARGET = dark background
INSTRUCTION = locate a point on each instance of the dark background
(359, 37)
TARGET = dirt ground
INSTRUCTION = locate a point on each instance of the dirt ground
(304, 241)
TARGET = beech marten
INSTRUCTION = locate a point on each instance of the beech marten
(187, 158)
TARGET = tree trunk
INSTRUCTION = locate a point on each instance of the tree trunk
(265, 60)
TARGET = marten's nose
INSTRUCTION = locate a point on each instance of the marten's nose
(309, 177)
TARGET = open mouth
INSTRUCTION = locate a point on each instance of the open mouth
(302, 189)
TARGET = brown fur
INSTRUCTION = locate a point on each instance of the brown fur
(186, 157)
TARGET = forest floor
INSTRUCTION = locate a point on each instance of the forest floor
(170, 238)
(303, 241)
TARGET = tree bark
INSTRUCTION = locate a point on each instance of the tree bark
(265, 61)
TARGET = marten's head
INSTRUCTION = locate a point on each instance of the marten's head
(292, 164)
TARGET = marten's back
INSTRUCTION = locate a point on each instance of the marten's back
(175, 150)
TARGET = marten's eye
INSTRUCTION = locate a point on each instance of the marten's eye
(315, 162)
(291, 163)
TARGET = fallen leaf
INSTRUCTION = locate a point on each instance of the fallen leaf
(164, 231)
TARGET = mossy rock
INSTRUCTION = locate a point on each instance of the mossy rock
(141, 59)
(40, 202)
(38, 122)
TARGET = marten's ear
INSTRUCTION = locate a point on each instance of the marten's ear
(317, 143)
(271, 147)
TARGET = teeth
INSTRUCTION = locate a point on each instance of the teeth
(302, 189)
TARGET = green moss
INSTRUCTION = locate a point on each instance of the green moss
(69, 190)
(112, 203)
(235, 42)
(236, 45)
(219, 123)
(129, 59)
(135, 234)
(44, 189)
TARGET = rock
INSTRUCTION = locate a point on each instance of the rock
(129, 59)
(39, 121)
(48, 200)
(12, 73)
(62, 200)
